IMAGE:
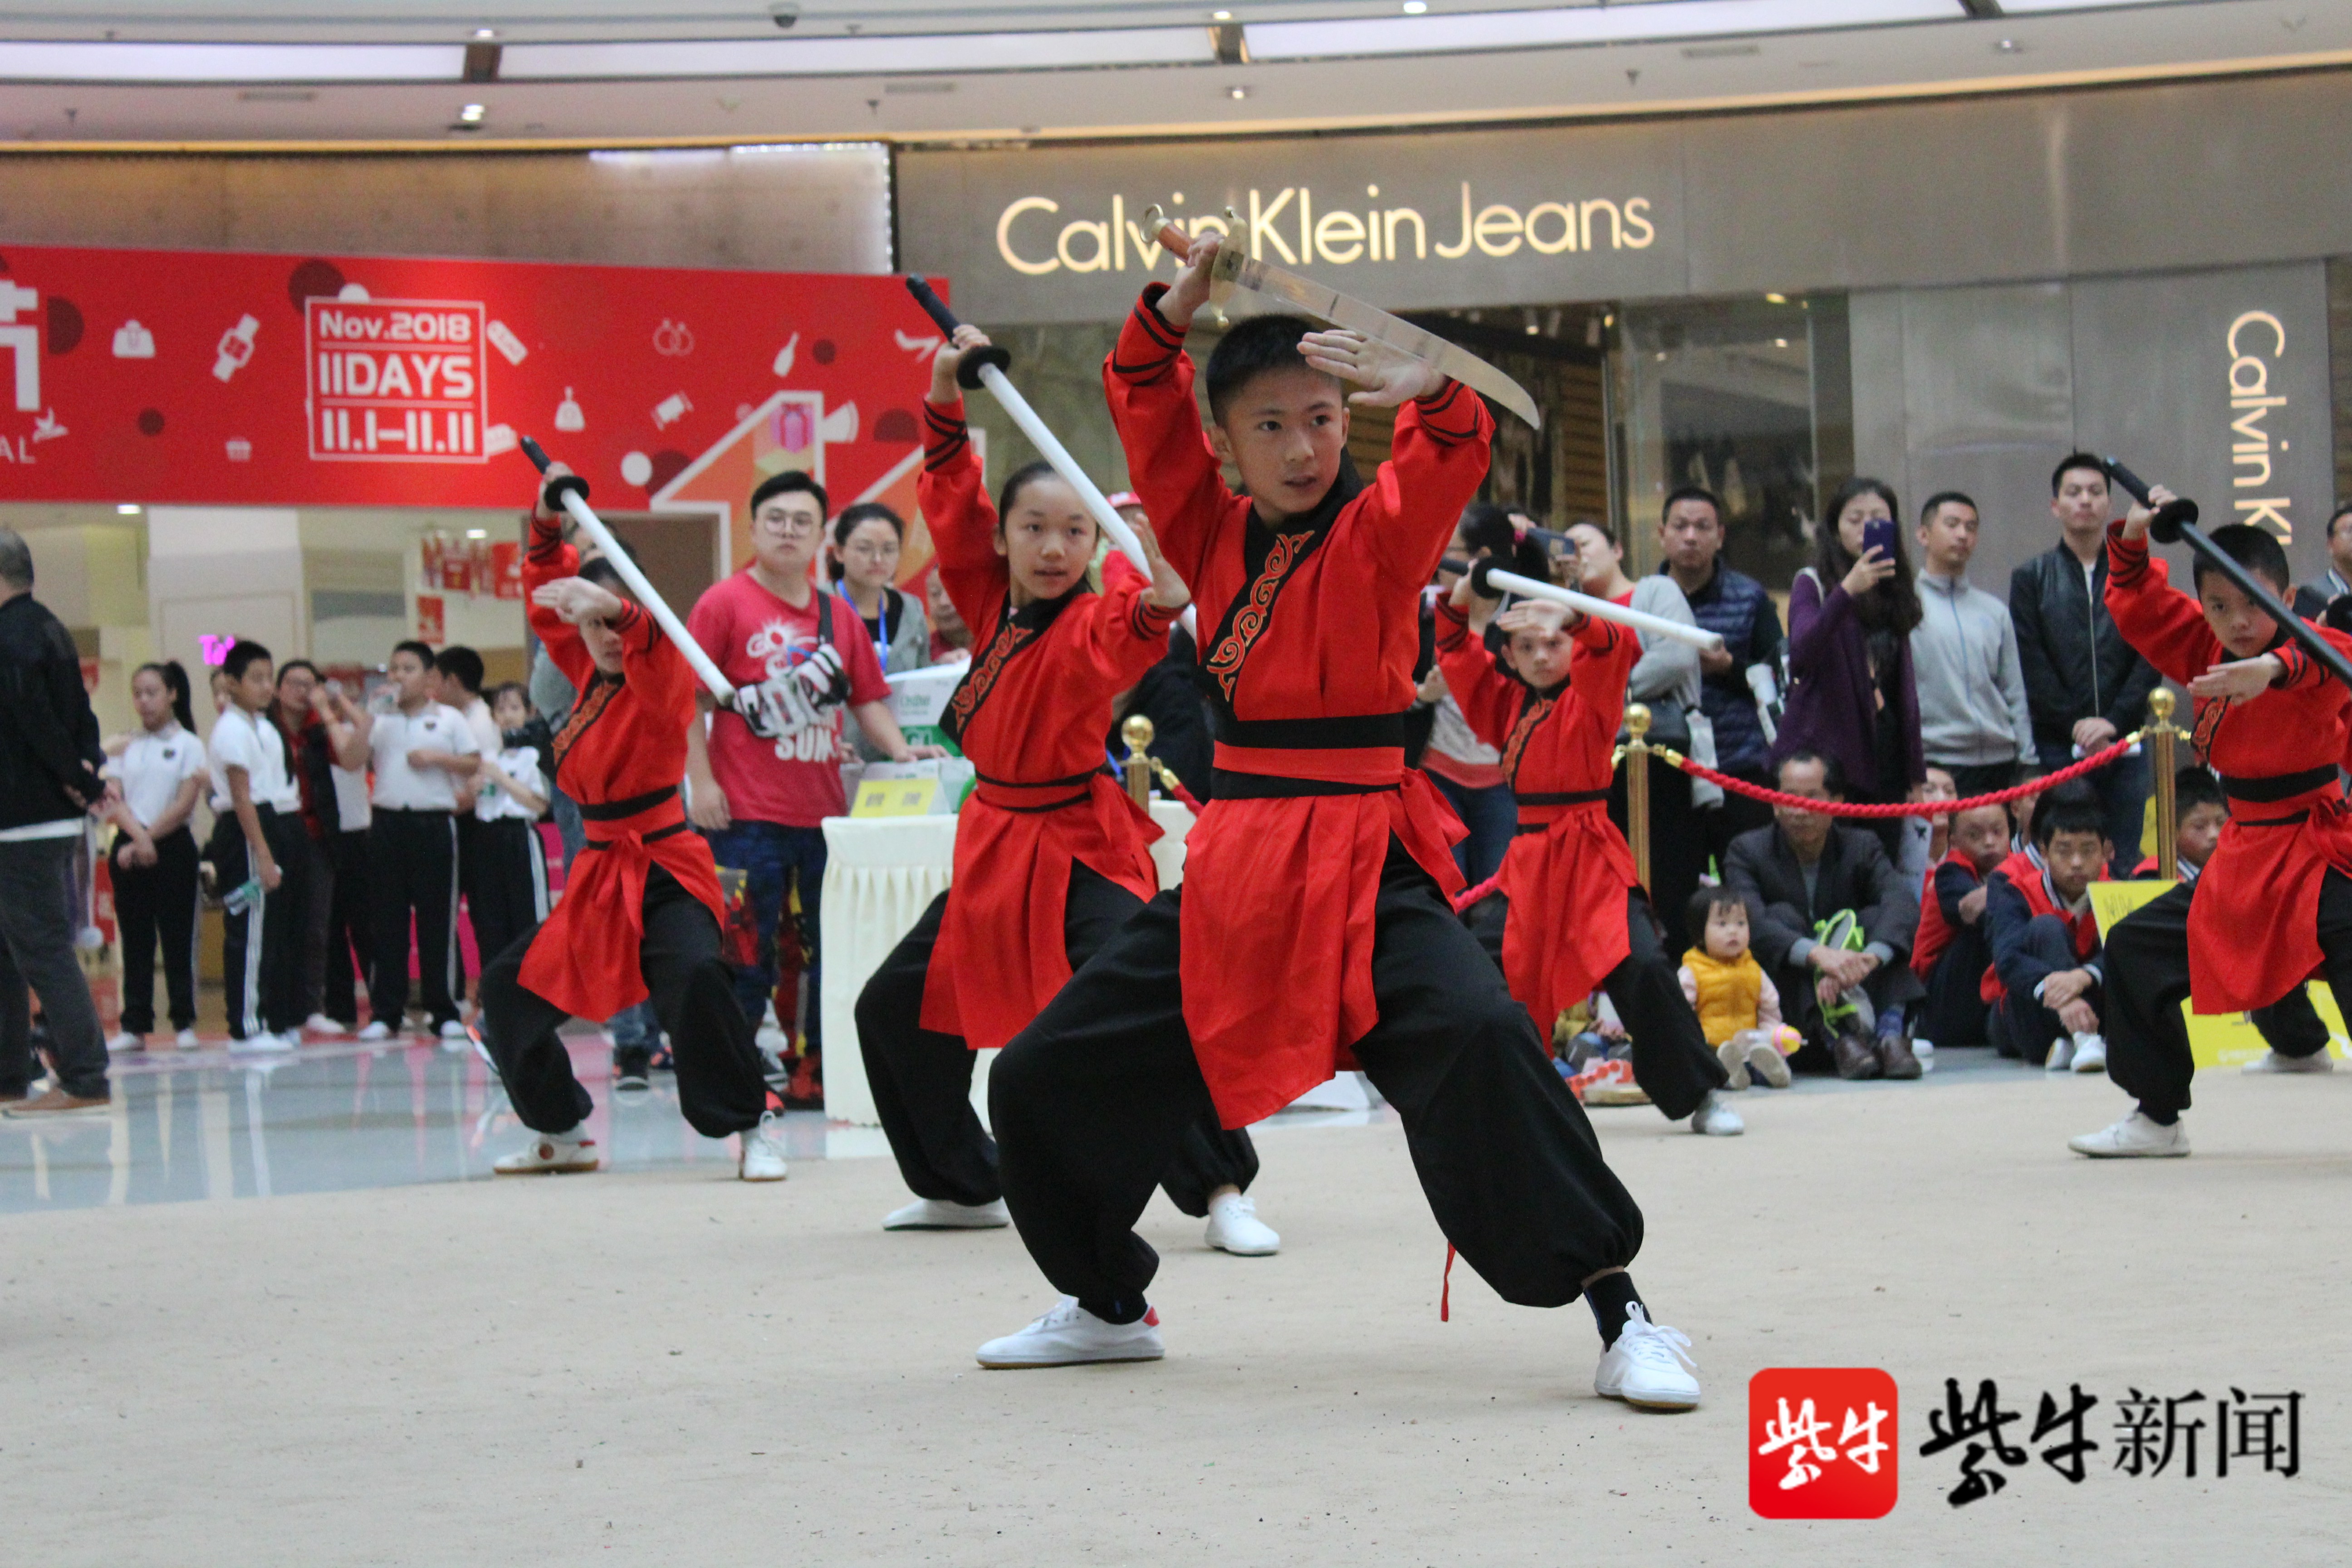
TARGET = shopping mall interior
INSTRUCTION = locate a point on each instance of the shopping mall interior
(291, 294)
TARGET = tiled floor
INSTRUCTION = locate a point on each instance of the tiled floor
(215, 1123)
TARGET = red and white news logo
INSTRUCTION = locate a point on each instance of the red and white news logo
(398, 381)
(1822, 1442)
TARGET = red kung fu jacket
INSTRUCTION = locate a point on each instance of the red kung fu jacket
(1031, 715)
(620, 754)
(1567, 871)
(1308, 637)
(2253, 923)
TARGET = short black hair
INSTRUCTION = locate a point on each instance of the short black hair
(505, 687)
(2070, 808)
(790, 481)
(423, 651)
(2194, 787)
(1941, 497)
(1601, 526)
(1707, 900)
(462, 665)
(2255, 549)
(866, 512)
(1693, 492)
(600, 570)
(2072, 461)
(2343, 509)
(1257, 346)
(1008, 496)
(243, 657)
(1832, 771)
(291, 665)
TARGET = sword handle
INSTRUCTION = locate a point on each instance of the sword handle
(1164, 231)
(2165, 525)
(968, 368)
(557, 487)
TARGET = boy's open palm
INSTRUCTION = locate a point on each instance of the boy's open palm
(1389, 377)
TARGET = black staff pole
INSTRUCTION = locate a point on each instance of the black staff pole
(2175, 523)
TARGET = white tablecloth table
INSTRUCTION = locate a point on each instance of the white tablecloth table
(881, 873)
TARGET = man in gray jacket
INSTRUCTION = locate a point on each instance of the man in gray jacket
(1973, 719)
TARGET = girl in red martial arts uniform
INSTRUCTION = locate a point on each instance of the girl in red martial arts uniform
(1568, 914)
(2274, 904)
(1051, 854)
(1312, 925)
(641, 908)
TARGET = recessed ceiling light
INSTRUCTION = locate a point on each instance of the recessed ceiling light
(1221, 16)
(1776, 298)
(1416, 7)
(484, 35)
(128, 508)
(1534, 330)
(1236, 92)
(471, 114)
(478, 534)
(1780, 342)
(2009, 46)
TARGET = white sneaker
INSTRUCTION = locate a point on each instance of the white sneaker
(126, 1041)
(938, 1214)
(763, 1151)
(2133, 1137)
(2270, 1061)
(2062, 1056)
(551, 1153)
(1070, 1335)
(1734, 1058)
(453, 1037)
(2090, 1053)
(1650, 1366)
(1716, 1119)
(320, 1024)
(1234, 1228)
(379, 1030)
(187, 1040)
(264, 1042)
(1766, 1062)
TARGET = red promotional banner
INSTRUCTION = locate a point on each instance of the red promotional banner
(198, 378)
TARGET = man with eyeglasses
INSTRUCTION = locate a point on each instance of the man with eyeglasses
(762, 799)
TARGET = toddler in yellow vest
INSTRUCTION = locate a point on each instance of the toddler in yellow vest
(1737, 1005)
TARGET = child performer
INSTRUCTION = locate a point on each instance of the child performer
(1568, 915)
(155, 860)
(1952, 955)
(2291, 1026)
(2047, 982)
(1313, 920)
(1052, 856)
(641, 909)
(509, 895)
(1737, 1003)
(2274, 901)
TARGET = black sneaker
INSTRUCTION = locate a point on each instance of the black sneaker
(629, 1068)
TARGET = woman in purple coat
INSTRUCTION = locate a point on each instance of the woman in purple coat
(1852, 695)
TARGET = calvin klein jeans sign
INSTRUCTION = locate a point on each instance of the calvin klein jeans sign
(1057, 234)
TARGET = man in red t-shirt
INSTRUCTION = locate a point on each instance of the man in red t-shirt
(762, 799)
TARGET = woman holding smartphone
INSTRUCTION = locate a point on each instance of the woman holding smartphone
(1852, 694)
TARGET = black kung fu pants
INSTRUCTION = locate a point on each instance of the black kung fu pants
(2147, 979)
(1672, 1060)
(413, 867)
(158, 900)
(720, 1088)
(261, 941)
(1091, 1102)
(922, 1080)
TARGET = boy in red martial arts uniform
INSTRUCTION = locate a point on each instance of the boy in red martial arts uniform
(1313, 922)
(2274, 901)
(1568, 915)
(1051, 855)
(641, 909)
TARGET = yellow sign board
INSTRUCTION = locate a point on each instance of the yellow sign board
(896, 797)
(2215, 1040)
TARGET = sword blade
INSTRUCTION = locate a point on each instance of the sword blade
(1236, 270)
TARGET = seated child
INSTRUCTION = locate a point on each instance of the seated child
(2291, 1026)
(1953, 955)
(1738, 1006)
(2044, 986)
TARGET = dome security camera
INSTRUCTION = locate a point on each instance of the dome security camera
(785, 13)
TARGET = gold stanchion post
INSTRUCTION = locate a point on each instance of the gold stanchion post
(2159, 736)
(1636, 752)
(1138, 733)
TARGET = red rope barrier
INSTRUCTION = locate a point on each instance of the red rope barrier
(1469, 895)
(2091, 763)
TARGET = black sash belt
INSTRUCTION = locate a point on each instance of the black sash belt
(2267, 787)
(1062, 783)
(672, 831)
(1228, 786)
(614, 810)
(1358, 731)
(1561, 797)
